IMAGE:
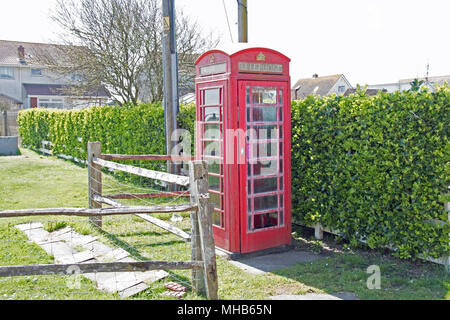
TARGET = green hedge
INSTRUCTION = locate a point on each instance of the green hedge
(374, 168)
(131, 130)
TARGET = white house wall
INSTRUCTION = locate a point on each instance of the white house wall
(13, 87)
(341, 82)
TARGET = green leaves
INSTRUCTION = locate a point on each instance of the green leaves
(376, 167)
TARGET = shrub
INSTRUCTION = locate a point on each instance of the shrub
(375, 168)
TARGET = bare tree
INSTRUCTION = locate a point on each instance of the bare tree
(117, 44)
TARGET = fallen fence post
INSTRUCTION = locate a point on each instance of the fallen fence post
(140, 266)
(157, 222)
(95, 180)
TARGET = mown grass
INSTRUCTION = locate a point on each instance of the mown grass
(35, 181)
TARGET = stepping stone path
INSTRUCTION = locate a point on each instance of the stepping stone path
(64, 246)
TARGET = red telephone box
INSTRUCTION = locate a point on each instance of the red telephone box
(244, 132)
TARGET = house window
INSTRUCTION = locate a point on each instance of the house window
(74, 76)
(341, 89)
(6, 73)
(36, 72)
(51, 103)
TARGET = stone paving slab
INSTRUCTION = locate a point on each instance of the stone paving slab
(61, 245)
(29, 226)
(272, 262)
(36, 235)
(76, 258)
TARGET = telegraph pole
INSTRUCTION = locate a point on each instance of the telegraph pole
(243, 20)
(170, 67)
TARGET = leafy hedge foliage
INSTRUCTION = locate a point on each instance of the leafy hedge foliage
(375, 168)
(121, 130)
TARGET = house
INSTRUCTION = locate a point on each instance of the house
(320, 86)
(405, 84)
(26, 82)
(369, 92)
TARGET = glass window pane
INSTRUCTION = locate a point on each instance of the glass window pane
(264, 149)
(6, 73)
(212, 97)
(265, 185)
(214, 166)
(212, 114)
(212, 149)
(212, 132)
(214, 183)
(265, 168)
(216, 218)
(215, 200)
(266, 220)
(263, 132)
(266, 203)
(264, 114)
(264, 96)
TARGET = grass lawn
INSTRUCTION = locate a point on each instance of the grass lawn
(35, 181)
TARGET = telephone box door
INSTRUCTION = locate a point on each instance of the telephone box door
(263, 213)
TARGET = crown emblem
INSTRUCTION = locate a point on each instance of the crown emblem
(261, 57)
(212, 60)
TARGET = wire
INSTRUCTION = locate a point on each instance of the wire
(228, 21)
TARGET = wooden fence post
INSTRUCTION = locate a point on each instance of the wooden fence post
(5, 123)
(318, 231)
(198, 276)
(95, 180)
(198, 171)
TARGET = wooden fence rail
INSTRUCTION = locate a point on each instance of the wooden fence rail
(97, 213)
(67, 269)
(163, 176)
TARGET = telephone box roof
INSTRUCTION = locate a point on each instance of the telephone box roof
(237, 49)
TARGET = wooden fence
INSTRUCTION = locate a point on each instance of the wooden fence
(8, 123)
(203, 258)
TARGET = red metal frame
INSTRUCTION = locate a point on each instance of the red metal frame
(233, 75)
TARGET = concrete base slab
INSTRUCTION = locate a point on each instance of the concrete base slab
(9, 146)
(272, 262)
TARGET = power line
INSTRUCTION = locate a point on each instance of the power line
(228, 22)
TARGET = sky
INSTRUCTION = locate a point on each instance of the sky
(369, 41)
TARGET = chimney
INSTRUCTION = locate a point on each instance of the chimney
(21, 54)
(315, 76)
